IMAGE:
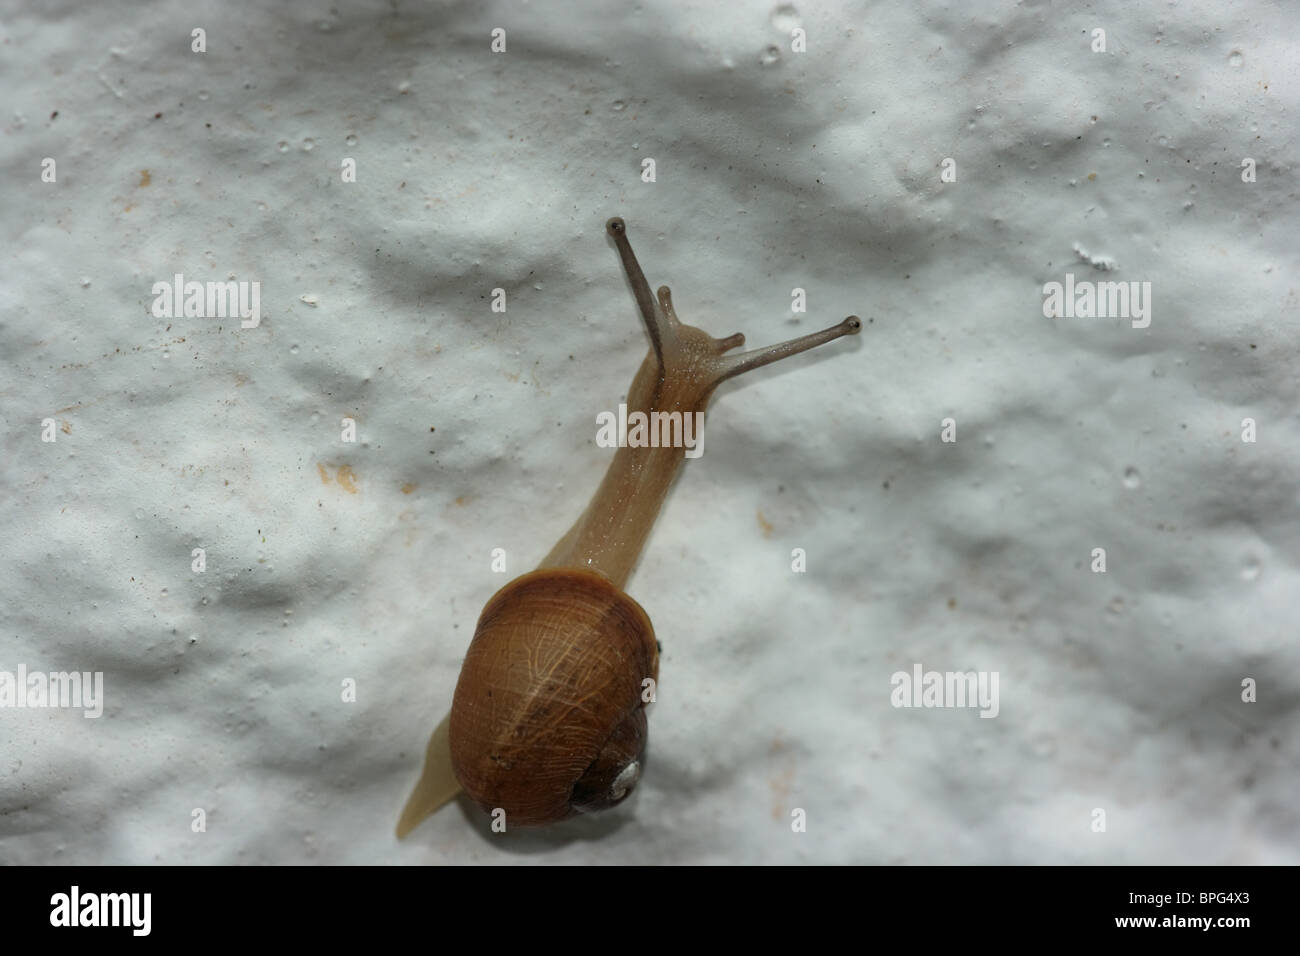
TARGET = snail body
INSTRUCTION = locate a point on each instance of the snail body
(548, 717)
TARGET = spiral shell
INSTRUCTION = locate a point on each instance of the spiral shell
(549, 718)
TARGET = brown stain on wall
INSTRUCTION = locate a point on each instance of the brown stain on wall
(344, 475)
(782, 783)
(347, 479)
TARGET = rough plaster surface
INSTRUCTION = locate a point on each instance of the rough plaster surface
(820, 170)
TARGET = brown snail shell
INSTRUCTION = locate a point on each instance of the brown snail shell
(548, 717)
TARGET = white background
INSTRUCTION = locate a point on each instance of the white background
(820, 170)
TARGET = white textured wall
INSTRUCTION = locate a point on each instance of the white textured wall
(1119, 691)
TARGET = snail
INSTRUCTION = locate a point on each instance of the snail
(548, 717)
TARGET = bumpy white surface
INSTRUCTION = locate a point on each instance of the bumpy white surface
(820, 170)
